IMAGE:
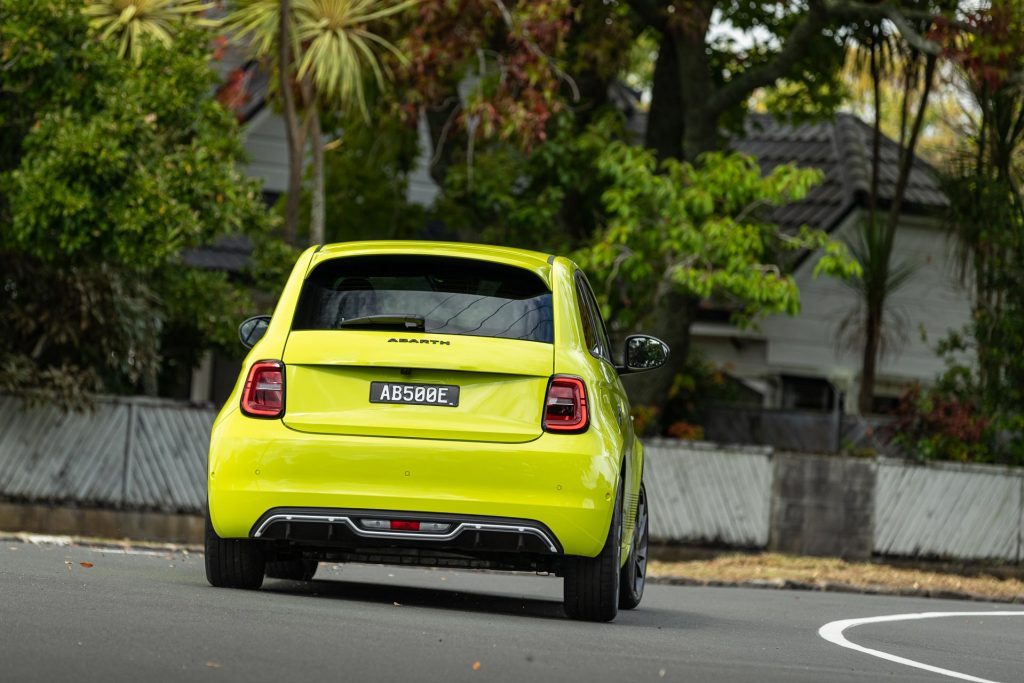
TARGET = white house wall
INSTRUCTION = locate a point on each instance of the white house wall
(933, 303)
(266, 144)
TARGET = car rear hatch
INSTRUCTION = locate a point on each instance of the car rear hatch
(421, 347)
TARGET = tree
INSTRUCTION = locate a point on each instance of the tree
(698, 231)
(322, 50)
(879, 278)
(133, 22)
(110, 171)
(484, 70)
(366, 181)
(547, 197)
(985, 186)
(703, 81)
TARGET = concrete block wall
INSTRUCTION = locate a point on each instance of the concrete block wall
(823, 506)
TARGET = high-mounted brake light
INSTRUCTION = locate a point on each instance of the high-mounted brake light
(263, 395)
(565, 407)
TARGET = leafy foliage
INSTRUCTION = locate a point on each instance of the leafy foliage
(108, 180)
(366, 179)
(545, 198)
(976, 410)
(331, 42)
(944, 423)
(133, 22)
(701, 230)
(509, 50)
(90, 328)
(141, 167)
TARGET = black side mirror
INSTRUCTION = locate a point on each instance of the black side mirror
(253, 329)
(644, 352)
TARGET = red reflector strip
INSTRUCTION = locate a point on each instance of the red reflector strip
(404, 525)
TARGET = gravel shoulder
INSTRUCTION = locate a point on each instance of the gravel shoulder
(770, 570)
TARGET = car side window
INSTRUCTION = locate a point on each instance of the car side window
(587, 318)
(595, 334)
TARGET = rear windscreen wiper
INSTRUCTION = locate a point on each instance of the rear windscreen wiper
(386, 322)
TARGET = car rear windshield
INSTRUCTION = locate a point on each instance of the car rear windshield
(452, 296)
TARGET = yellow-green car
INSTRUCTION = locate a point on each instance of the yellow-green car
(435, 404)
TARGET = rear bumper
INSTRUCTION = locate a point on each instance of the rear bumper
(326, 528)
(564, 484)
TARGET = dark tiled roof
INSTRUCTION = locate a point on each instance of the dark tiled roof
(229, 253)
(841, 148)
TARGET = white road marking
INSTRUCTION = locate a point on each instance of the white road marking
(833, 633)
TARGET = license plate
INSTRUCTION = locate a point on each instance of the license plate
(414, 394)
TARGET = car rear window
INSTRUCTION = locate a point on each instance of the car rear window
(453, 295)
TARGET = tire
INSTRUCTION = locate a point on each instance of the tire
(292, 570)
(591, 587)
(233, 562)
(634, 574)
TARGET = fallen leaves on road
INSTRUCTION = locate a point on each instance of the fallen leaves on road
(772, 569)
(213, 665)
(476, 666)
(87, 565)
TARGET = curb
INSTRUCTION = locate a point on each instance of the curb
(97, 543)
(833, 587)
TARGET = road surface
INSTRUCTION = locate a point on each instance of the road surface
(152, 617)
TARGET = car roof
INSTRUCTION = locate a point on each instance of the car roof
(532, 260)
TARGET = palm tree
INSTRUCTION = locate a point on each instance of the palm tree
(324, 50)
(132, 22)
(873, 247)
(873, 324)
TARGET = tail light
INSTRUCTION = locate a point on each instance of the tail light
(263, 395)
(565, 408)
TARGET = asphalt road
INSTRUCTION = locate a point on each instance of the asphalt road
(152, 617)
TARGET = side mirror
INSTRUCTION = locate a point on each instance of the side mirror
(644, 352)
(253, 329)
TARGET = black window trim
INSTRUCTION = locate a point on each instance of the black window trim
(581, 281)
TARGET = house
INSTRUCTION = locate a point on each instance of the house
(809, 361)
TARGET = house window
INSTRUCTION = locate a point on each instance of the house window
(884, 405)
(807, 393)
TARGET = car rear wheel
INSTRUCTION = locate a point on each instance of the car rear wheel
(634, 574)
(292, 570)
(233, 562)
(591, 589)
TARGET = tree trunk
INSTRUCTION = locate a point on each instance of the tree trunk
(664, 132)
(292, 201)
(876, 306)
(872, 340)
(695, 84)
(316, 223)
(296, 141)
